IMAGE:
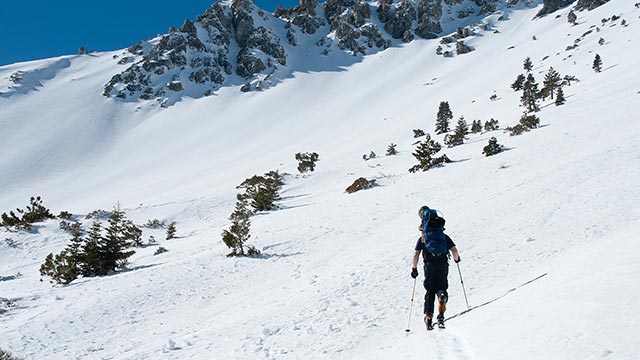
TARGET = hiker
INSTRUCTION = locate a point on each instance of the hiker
(435, 246)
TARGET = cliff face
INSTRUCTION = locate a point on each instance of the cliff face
(236, 43)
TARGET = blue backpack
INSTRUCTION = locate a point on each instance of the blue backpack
(433, 232)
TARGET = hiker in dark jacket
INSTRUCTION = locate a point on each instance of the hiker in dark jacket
(436, 266)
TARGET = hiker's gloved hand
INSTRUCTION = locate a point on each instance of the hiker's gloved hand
(457, 261)
(414, 273)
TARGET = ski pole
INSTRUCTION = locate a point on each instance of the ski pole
(413, 291)
(463, 290)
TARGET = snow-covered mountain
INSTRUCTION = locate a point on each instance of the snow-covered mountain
(546, 230)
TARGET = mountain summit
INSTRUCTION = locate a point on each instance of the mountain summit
(237, 43)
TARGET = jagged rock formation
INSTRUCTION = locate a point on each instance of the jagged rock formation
(199, 53)
(550, 6)
(236, 43)
(589, 4)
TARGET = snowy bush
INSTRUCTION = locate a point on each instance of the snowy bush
(154, 224)
(96, 254)
(371, 155)
(35, 212)
(391, 150)
(492, 148)
(306, 161)
(262, 191)
(418, 133)
(238, 233)
(360, 184)
(160, 250)
(491, 125)
(171, 230)
(425, 155)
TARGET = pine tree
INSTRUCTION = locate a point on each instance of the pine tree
(238, 234)
(92, 261)
(59, 268)
(492, 148)
(597, 64)
(425, 155)
(418, 133)
(263, 191)
(443, 117)
(529, 98)
(74, 249)
(476, 126)
(306, 161)
(114, 245)
(529, 121)
(457, 138)
(560, 100)
(527, 65)
(171, 231)
(551, 82)
(519, 83)
(491, 125)
(391, 150)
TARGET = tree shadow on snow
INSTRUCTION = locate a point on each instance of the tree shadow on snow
(496, 299)
(269, 256)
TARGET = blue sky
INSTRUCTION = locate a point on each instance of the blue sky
(38, 29)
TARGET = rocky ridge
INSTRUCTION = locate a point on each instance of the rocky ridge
(236, 43)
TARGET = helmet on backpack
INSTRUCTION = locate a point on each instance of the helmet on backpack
(423, 211)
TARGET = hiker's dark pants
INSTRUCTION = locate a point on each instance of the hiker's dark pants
(435, 280)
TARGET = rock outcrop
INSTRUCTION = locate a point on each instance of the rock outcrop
(236, 43)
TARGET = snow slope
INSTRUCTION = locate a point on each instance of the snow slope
(546, 230)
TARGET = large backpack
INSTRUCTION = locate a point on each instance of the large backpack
(433, 233)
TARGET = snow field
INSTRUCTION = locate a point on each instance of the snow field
(545, 229)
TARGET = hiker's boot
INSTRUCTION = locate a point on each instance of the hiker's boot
(428, 319)
(442, 307)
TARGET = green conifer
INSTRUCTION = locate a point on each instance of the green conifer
(560, 100)
(492, 148)
(443, 117)
(597, 64)
(529, 98)
(527, 65)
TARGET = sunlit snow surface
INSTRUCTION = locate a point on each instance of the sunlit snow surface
(547, 230)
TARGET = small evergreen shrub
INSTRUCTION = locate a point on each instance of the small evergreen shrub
(476, 127)
(518, 83)
(154, 224)
(238, 233)
(517, 130)
(371, 155)
(306, 161)
(425, 155)
(491, 125)
(34, 212)
(492, 148)
(391, 150)
(262, 191)
(443, 117)
(96, 254)
(560, 100)
(160, 250)
(171, 230)
(65, 215)
(530, 121)
(418, 133)
(597, 64)
(360, 184)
